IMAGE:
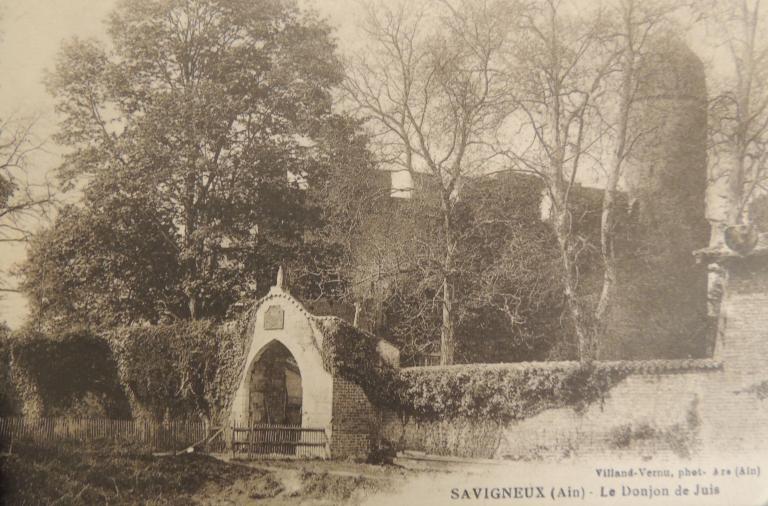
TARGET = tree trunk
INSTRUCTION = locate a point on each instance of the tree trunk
(602, 312)
(562, 230)
(447, 341)
(190, 248)
(608, 217)
(736, 185)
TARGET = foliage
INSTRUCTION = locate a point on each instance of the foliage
(340, 191)
(461, 437)
(353, 354)
(198, 130)
(498, 393)
(180, 369)
(510, 305)
(623, 435)
(20, 197)
(107, 264)
(426, 83)
(502, 392)
(738, 121)
(70, 373)
(332, 487)
(680, 438)
(24, 196)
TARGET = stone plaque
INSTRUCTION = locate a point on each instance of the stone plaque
(273, 318)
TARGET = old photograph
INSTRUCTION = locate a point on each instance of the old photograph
(383, 252)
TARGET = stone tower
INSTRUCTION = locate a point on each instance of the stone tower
(660, 305)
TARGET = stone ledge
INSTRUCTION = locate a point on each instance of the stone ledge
(723, 253)
(631, 366)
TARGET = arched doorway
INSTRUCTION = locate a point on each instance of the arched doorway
(275, 387)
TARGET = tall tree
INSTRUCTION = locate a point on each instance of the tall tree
(20, 197)
(558, 68)
(102, 264)
(739, 111)
(210, 111)
(637, 24)
(428, 85)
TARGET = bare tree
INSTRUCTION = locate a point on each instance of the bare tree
(429, 87)
(637, 24)
(739, 111)
(558, 69)
(23, 198)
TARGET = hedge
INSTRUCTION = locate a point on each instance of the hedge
(192, 368)
(494, 392)
(61, 375)
(501, 392)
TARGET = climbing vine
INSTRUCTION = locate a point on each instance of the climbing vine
(495, 392)
(501, 392)
(180, 369)
(353, 354)
(62, 374)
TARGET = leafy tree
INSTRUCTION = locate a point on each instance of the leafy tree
(199, 129)
(109, 262)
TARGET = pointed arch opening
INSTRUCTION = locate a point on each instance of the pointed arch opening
(275, 387)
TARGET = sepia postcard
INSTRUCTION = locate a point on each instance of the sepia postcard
(372, 252)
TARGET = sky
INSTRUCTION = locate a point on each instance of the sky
(31, 32)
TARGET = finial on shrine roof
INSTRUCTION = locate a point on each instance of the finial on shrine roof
(280, 281)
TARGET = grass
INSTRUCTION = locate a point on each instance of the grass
(78, 475)
(331, 487)
(69, 475)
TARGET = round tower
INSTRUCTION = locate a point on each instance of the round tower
(660, 301)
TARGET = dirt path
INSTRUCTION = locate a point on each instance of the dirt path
(298, 483)
(311, 466)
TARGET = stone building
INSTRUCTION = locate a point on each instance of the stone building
(288, 378)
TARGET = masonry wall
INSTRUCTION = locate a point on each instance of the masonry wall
(355, 422)
(651, 412)
(705, 407)
(736, 411)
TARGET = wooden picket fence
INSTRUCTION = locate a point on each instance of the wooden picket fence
(138, 435)
(279, 441)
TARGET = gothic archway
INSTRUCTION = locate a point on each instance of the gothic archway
(275, 389)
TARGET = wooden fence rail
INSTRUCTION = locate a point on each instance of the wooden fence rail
(269, 440)
(140, 435)
(253, 441)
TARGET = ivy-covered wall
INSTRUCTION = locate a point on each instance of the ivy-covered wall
(557, 409)
(72, 374)
(181, 370)
(502, 392)
(187, 369)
